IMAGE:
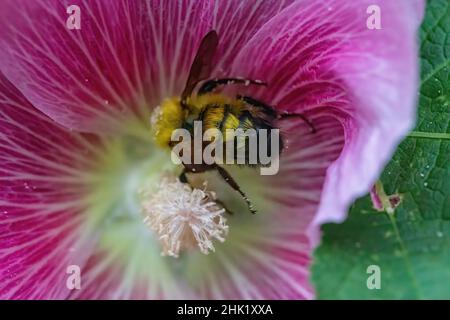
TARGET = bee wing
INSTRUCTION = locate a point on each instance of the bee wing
(202, 65)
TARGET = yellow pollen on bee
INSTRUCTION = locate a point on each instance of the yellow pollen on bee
(166, 118)
(170, 115)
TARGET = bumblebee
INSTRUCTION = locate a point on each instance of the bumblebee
(215, 111)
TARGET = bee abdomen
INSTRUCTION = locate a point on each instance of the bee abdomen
(260, 146)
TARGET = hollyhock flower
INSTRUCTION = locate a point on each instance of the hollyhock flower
(81, 182)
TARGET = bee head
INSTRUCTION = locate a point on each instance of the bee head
(166, 118)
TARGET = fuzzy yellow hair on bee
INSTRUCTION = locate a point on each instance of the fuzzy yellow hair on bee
(216, 111)
(166, 118)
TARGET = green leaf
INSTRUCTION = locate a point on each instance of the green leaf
(412, 245)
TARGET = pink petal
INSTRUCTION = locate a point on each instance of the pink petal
(89, 79)
(273, 263)
(385, 96)
(126, 58)
(41, 229)
(237, 21)
(268, 258)
(322, 55)
(322, 62)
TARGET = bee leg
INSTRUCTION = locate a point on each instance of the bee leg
(258, 104)
(271, 111)
(210, 85)
(224, 206)
(183, 179)
(228, 179)
(288, 115)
